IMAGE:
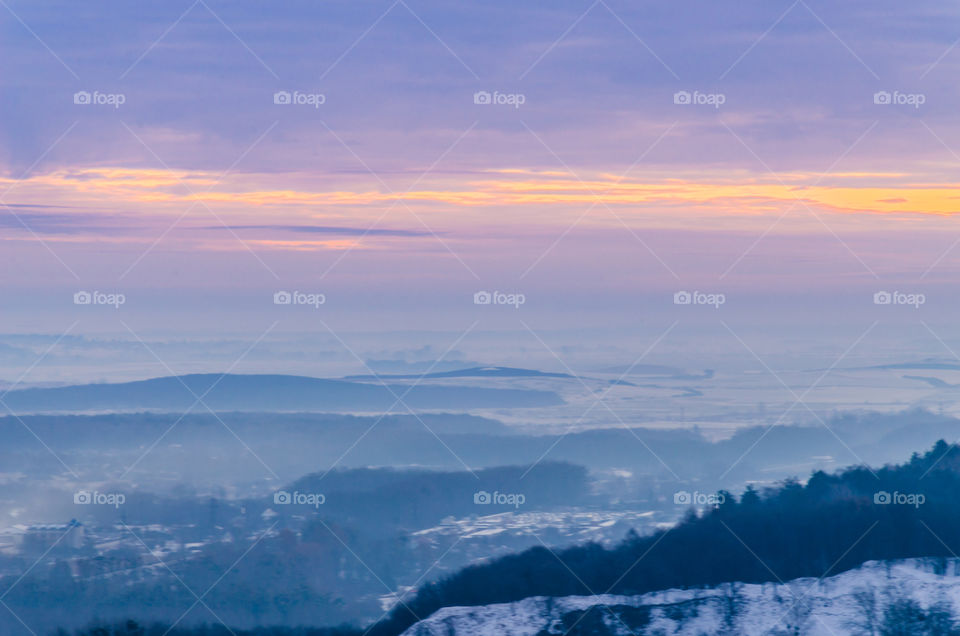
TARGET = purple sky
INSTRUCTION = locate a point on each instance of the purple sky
(588, 184)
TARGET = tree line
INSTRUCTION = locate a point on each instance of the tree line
(831, 523)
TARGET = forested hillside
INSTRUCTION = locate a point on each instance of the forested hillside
(830, 524)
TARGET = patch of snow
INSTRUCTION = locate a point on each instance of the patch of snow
(817, 607)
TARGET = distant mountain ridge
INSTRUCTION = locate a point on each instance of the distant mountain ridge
(236, 392)
(472, 372)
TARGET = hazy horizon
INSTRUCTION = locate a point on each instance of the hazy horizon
(442, 319)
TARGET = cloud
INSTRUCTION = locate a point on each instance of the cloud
(598, 94)
(199, 135)
(14, 216)
(322, 229)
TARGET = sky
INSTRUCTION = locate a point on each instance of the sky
(395, 158)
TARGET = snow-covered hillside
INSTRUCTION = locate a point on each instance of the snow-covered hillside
(843, 604)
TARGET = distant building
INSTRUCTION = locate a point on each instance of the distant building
(46, 536)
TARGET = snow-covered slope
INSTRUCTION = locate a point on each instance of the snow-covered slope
(839, 604)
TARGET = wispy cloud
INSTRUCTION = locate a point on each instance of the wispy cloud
(319, 229)
(93, 224)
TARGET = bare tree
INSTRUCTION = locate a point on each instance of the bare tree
(731, 604)
(867, 619)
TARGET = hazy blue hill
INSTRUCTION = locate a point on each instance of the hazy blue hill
(304, 442)
(265, 393)
(644, 369)
(658, 370)
(934, 366)
(474, 372)
(380, 500)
